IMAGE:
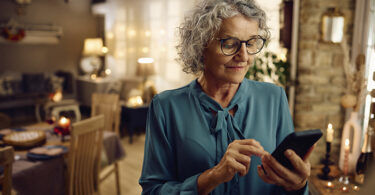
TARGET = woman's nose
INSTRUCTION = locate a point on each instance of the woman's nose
(242, 54)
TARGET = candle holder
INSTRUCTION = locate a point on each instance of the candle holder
(62, 132)
(344, 181)
(326, 162)
(344, 184)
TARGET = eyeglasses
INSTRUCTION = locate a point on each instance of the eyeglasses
(231, 45)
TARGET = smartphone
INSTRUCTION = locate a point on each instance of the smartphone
(300, 142)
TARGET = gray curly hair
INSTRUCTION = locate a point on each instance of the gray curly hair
(204, 22)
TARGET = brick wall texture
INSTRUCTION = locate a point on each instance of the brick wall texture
(320, 74)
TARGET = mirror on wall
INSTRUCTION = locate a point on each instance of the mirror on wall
(333, 23)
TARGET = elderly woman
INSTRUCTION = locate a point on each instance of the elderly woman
(212, 135)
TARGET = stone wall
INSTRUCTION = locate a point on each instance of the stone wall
(320, 74)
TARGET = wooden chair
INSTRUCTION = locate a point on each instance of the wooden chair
(84, 156)
(6, 161)
(108, 105)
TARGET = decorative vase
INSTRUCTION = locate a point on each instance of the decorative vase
(355, 142)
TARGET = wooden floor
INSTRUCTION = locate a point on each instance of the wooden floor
(130, 169)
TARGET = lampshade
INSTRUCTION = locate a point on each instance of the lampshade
(145, 67)
(93, 46)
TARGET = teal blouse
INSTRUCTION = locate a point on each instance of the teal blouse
(184, 138)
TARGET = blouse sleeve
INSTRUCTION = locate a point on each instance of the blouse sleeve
(159, 164)
(285, 127)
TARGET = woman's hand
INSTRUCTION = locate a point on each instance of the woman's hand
(275, 173)
(236, 159)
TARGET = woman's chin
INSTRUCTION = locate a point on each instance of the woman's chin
(235, 79)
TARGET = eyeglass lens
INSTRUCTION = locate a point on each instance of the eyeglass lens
(231, 45)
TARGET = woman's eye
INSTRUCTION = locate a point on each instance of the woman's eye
(229, 46)
(249, 45)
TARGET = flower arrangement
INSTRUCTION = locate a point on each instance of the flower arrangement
(270, 67)
(355, 81)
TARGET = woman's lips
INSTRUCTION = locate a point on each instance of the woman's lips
(235, 67)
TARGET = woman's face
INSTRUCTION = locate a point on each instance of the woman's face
(229, 69)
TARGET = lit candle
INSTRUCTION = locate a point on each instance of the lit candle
(344, 189)
(329, 184)
(330, 131)
(64, 122)
(346, 159)
(356, 188)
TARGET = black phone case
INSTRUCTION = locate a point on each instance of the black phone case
(300, 142)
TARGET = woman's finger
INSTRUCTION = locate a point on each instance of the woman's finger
(249, 142)
(271, 174)
(241, 158)
(287, 175)
(263, 175)
(302, 167)
(237, 166)
(251, 150)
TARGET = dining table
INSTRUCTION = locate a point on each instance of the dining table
(48, 176)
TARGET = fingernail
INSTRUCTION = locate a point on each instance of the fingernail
(288, 152)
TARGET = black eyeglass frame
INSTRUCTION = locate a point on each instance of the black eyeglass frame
(240, 45)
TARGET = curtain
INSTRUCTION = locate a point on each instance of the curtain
(144, 28)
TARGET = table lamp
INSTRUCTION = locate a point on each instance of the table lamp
(91, 63)
(146, 68)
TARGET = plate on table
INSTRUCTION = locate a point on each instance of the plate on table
(46, 152)
(4, 132)
(25, 139)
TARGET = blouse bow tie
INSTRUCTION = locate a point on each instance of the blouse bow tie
(226, 130)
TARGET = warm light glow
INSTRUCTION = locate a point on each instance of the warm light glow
(23, 1)
(145, 49)
(347, 142)
(93, 76)
(57, 96)
(355, 188)
(120, 54)
(104, 50)
(132, 33)
(330, 131)
(108, 71)
(145, 60)
(93, 46)
(147, 33)
(121, 28)
(145, 67)
(344, 189)
(64, 122)
(162, 32)
(110, 35)
(329, 184)
(135, 101)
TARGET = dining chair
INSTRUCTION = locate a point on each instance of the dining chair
(84, 156)
(6, 161)
(108, 105)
